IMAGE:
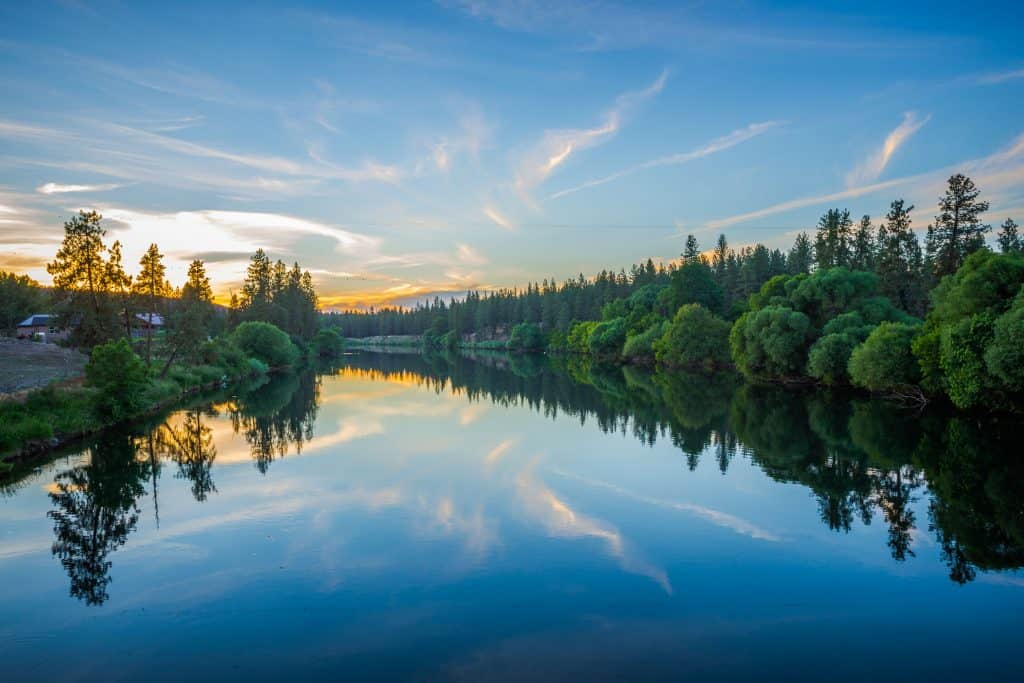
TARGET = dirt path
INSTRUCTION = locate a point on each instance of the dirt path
(25, 365)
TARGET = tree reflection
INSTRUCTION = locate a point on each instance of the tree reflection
(190, 445)
(278, 416)
(860, 457)
(95, 511)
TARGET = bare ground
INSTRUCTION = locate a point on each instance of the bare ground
(26, 365)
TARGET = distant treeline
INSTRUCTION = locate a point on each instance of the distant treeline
(842, 306)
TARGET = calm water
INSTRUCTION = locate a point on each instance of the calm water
(436, 518)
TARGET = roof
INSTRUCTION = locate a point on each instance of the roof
(37, 320)
(154, 319)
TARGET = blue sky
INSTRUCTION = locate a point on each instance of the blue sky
(404, 149)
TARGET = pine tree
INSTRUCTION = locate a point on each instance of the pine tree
(958, 231)
(801, 256)
(862, 255)
(692, 251)
(119, 283)
(1008, 239)
(151, 286)
(78, 271)
(899, 264)
(719, 259)
(833, 239)
(197, 286)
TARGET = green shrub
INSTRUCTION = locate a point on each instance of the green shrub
(640, 347)
(695, 338)
(829, 356)
(120, 376)
(328, 343)
(578, 339)
(1004, 357)
(607, 337)
(771, 342)
(265, 342)
(885, 360)
(526, 337)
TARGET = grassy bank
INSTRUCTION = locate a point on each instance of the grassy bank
(52, 416)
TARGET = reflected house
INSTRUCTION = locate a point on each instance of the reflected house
(147, 322)
(42, 325)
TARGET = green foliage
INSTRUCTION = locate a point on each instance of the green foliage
(695, 338)
(829, 356)
(20, 297)
(885, 361)
(965, 331)
(639, 347)
(607, 337)
(120, 376)
(1004, 357)
(578, 339)
(694, 283)
(526, 337)
(771, 342)
(328, 343)
(265, 342)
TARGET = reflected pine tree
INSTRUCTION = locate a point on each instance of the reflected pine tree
(278, 416)
(190, 445)
(859, 457)
(94, 512)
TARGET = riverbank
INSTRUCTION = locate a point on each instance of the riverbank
(54, 416)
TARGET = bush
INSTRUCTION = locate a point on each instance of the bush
(526, 337)
(1005, 355)
(771, 342)
(640, 346)
(885, 361)
(607, 337)
(120, 376)
(578, 339)
(695, 338)
(328, 343)
(828, 358)
(265, 342)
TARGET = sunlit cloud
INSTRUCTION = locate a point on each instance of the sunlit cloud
(871, 168)
(56, 188)
(717, 145)
(497, 218)
(1001, 170)
(499, 451)
(468, 254)
(558, 145)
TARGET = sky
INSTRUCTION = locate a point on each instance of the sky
(400, 151)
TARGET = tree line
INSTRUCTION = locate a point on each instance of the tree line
(850, 303)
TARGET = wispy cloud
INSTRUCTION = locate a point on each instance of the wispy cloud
(557, 146)
(1000, 77)
(717, 145)
(57, 188)
(493, 214)
(1000, 170)
(871, 168)
(468, 254)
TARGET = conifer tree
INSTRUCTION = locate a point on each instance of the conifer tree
(151, 286)
(1009, 240)
(958, 231)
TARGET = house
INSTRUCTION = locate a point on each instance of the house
(42, 325)
(144, 322)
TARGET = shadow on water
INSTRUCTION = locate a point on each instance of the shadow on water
(864, 460)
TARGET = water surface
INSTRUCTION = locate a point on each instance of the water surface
(493, 518)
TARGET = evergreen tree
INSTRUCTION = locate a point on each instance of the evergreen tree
(899, 264)
(862, 255)
(1008, 239)
(833, 239)
(801, 256)
(958, 231)
(119, 284)
(692, 251)
(78, 272)
(151, 287)
(719, 259)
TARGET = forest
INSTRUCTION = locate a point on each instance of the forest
(854, 303)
